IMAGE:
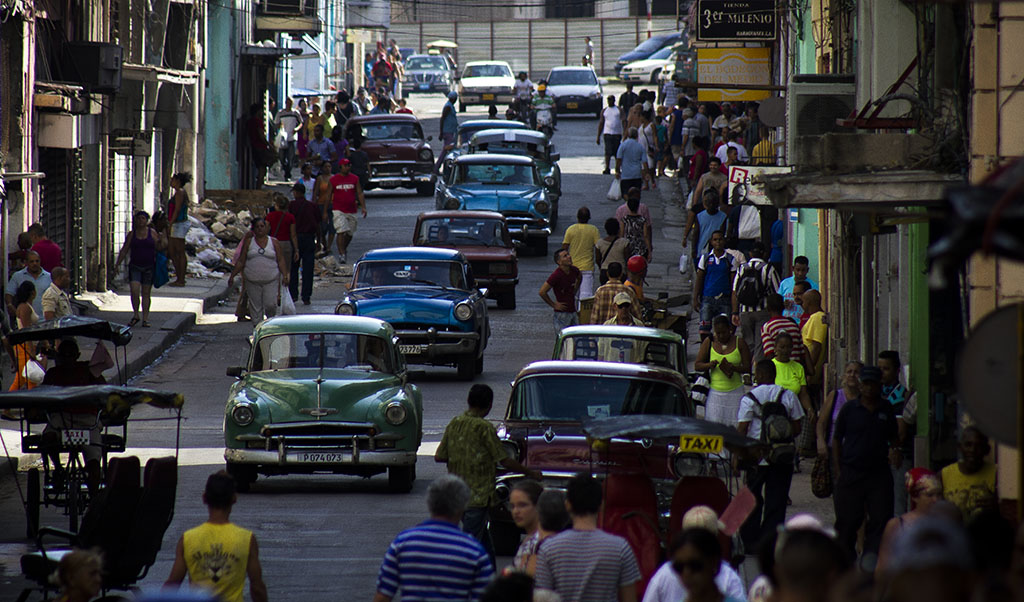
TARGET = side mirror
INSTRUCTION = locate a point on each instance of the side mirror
(555, 157)
(235, 371)
(483, 292)
(430, 138)
(518, 244)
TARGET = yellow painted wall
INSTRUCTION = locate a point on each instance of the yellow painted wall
(997, 136)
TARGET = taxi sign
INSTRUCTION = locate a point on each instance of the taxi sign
(700, 444)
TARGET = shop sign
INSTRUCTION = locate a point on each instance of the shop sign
(740, 66)
(736, 20)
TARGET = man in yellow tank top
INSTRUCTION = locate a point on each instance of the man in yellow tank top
(218, 555)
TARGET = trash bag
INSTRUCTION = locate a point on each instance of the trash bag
(161, 274)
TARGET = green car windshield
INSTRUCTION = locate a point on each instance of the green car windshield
(624, 350)
(444, 231)
(446, 274)
(495, 175)
(322, 350)
(575, 397)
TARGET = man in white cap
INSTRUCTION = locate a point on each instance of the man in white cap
(623, 311)
(665, 585)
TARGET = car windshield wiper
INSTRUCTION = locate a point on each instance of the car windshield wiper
(428, 283)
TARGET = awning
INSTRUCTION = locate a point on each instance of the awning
(267, 53)
(866, 191)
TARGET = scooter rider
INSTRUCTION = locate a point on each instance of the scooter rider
(523, 87)
(543, 102)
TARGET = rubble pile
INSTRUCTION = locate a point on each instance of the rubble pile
(328, 267)
(212, 238)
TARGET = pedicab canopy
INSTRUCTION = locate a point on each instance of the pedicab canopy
(112, 398)
(695, 435)
(73, 326)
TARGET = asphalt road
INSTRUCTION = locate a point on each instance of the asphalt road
(322, 537)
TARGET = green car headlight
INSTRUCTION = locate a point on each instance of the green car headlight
(243, 414)
(395, 413)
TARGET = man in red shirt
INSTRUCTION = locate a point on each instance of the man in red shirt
(49, 251)
(307, 234)
(346, 192)
(282, 227)
(565, 281)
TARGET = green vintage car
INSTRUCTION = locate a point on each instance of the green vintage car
(323, 394)
(528, 143)
(622, 344)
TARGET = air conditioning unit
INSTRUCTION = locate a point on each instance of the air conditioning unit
(288, 7)
(813, 103)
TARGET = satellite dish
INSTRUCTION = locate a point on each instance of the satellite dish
(987, 375)
(772, 111)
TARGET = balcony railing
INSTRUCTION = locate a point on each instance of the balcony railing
(290, 16)
(305, 8)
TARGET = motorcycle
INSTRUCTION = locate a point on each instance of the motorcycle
(544, 121)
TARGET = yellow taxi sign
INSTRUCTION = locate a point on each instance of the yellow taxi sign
(700, 444)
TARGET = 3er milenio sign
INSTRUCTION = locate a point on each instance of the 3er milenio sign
(735, 20)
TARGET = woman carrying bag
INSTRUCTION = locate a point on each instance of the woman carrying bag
(30, 367)
(263, 269)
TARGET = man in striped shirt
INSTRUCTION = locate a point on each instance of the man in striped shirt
(777, 324)
(585, 564)
(435, 560)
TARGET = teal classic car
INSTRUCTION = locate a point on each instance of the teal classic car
(622, 344)
(528, 143)
(509, 184)
(429, 295)
(323, 394)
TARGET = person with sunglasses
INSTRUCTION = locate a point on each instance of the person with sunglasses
(696, 557)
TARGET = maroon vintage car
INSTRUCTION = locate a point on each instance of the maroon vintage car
(483, 238)
(550, 399)
(399, 155)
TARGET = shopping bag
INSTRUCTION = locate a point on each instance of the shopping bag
(34, 371)
(284, 299)
(684, 263)
(615, 191)
(821, 478)
(161, 273)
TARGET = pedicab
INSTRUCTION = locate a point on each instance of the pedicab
(76, 423)
(633, 507)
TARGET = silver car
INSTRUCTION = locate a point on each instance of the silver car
(428, 73)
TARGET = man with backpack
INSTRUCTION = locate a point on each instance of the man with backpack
(772, 415)
(754, 281)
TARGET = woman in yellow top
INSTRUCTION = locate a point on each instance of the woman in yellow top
(727, 357)
(790, 375)
(317, 118)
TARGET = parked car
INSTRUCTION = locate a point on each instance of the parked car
(430, 297)
(323, 394)
(483, 238)
(399, 156)
(428, 73)
(576, 90)
(647, 70)
(542, 426)
(528, 143)
(646, 48)
(508, 184)
(622, 344)
(485, 83)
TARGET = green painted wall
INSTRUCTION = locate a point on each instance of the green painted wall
(221, 165)
(805, 240)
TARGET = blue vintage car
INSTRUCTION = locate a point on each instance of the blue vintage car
(528, 143)
(431, 299)
(509, 184)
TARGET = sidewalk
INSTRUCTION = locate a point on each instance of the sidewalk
(173, 312)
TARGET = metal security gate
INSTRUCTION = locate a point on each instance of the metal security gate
(120, 207)
(60, 209)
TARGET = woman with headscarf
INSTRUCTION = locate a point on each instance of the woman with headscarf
(924, 488)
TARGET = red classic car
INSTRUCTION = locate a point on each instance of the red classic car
(543, 429)
(483, 237)
(399, 156)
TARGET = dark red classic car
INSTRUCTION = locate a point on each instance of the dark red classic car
(542, 426)
(483, 237)
(399, 155)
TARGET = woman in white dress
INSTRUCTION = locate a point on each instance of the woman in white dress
(263, 268)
